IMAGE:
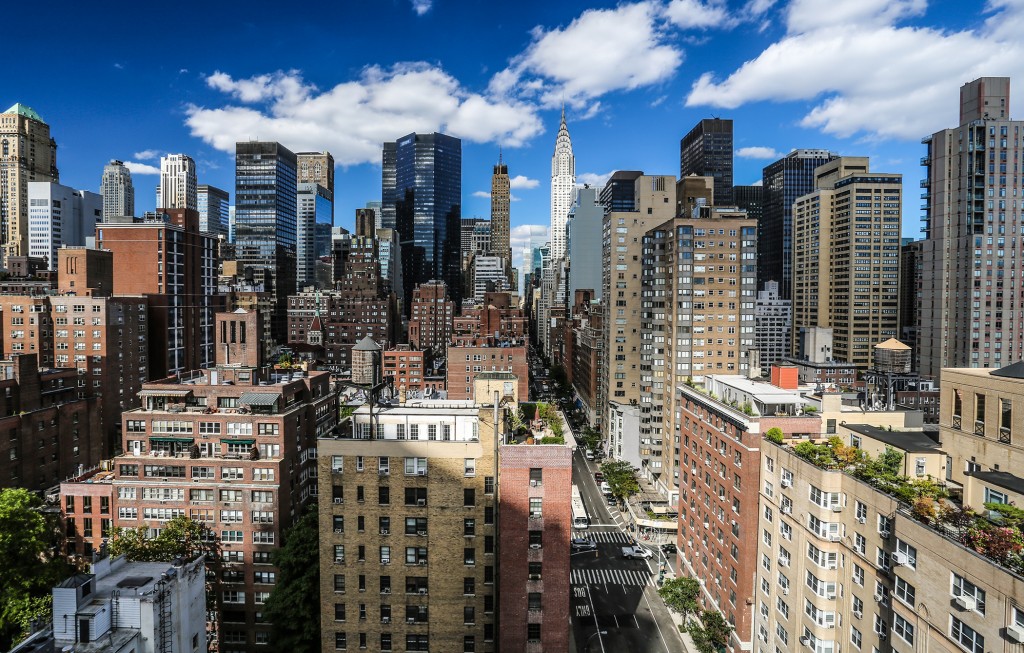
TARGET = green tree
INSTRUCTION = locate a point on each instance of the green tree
(681, 596)
(296, 595)
(620, 478)
(711, 634)
(29, 546)
(774, 434)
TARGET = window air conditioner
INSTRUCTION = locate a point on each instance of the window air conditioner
(900, 558)
(337, 500)
(1015, 633)
(535, 546)
(965, 602)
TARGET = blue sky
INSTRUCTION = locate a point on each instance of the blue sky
(861, 77)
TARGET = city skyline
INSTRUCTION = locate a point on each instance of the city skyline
(676, 63)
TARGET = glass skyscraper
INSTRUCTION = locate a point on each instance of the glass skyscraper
(265, 222)
(422, 200)
(313, 235)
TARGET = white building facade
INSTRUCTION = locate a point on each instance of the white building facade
(563, 188)
(178, 188)
(773, 323)
(117, 190)
(59, 216)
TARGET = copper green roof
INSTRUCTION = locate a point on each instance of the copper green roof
(25, 111)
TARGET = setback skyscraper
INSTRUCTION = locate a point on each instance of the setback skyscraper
(563, 188)
(178, 187)
(500, 214)
(265, 222)
(790, 177)
(973, 253)
(422, 200)
(27, 153)
(707, 152)
(117, 190)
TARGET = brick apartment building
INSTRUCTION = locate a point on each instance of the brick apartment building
(49, 432)
(405, 366)
(487, 338)
(588, 358)
(430, 317)
(231, 446)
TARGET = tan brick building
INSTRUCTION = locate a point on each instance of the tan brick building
(27, 153)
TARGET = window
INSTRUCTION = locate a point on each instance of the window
(965, 588)
(469, 527)
(415, 466)
(536, 507)
(469, 467)
(903, 628)
(855, 637)
(533, 632)
(415, 496)
(469, 556)
(469, 497)
(340, 641)
(909, 552)
(339, 583)
(468, 615)
(905, 592)
(488, 485)
(536, 539)
(966, 636)
(536, 476)
(469, 586)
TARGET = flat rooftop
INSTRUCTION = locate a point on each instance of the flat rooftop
(1005, 480)
(760, 390)
(909, 441)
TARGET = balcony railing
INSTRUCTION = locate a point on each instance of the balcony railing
(1004, 435)
(957, 423)
(979, 427)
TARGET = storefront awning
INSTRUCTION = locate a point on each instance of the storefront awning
(249, 441)
(161, 438)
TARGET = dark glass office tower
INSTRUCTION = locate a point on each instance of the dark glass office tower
(265, 222)
(707, 152)
(422, 189)
(619, 192)
(790, 177)
(750, 199)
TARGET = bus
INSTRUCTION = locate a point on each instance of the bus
(579, 512)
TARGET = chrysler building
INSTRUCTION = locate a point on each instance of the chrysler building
(563, 188)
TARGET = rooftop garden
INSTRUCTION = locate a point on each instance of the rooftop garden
(997, 533)
(536, 423)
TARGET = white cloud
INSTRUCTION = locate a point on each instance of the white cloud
(146, 155)
(141, 168)
(523, 182)
(595, 180)
(871, 76)
(602, 50)
(353, 118)
(421, 6)
(482, 193)
(528, 235)
(694, 14)
(758, 152)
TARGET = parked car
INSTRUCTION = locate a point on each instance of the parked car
(589, 455)
(582, 544)
(599, 477)
(636, 553)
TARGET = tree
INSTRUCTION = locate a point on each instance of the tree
(681, 596)
(774, 434)
(711, 635)
(297, 593)
(29, 544)
(620, 478)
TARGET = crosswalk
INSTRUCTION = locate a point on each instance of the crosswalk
(610, 577)
(617, 537)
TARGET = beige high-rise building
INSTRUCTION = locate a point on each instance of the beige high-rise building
(315, 168)
(500, 216)
(972, 257)
(27, 153)
(846, 258)
(178, 187)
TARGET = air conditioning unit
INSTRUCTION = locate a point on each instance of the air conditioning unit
(339, 560)
(858, 614)
(385, 561)
(384, 472)
(339, 530)
(831, 597)
(900, 558)
(786, 509)
(784, 562)
(862, 520)
(423, 591)
(337, 500)
(832, 565)
(830, 626)
(421, 502)
(884, 534)
(386, 590)
(534, 576)
(385, 620)
(533, 483)
(422, 563)
(837, 508)
(806, 641)
(965, 602)
(421, 472)
(786, 482)
(385, 532)
(882, 635)
(410, 620)
(833, 537)
(1015, 633)
(421, 533)
(785, 591)
(879, 598)
(535, 546)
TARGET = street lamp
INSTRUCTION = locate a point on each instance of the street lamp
(586, 647)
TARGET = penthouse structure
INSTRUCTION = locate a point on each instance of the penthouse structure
(229, 446)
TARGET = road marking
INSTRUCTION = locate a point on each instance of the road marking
(656, 625)
(600, 638)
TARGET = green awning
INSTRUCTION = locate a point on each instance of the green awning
(258, 398)
(249, 441)
(168, 439)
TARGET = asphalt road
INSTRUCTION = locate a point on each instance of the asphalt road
(615, 606)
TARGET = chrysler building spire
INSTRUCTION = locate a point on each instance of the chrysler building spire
(563, 186)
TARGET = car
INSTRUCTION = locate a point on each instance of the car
(589, 455)
(611, 501)
(582, 544)
(598, 476)
(636, 553)
(668, 548)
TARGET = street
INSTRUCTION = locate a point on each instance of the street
(615, 606)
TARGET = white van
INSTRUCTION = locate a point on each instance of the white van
(606, 489)
(588, 454)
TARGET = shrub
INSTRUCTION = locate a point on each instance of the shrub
(774, 434)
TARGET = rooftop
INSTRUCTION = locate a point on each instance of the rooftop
(25, 111)
(758, 390)
(1005, 480)
(909, 441)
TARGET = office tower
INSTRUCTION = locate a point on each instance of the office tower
(314, 216)
(684, 341)
(750, 199)
(59, 216)
(231, 224)
(214, 210)
(973, 251)
(375, 207)
(316, 168)
(563, 188)
(265, 221)
(790, 177)
(618, 192)
(487, 273)
(910, 297)
(27, 153)
(390, 256)
(430, 318)
(706, 151)
(50, 430)
(863, 565)
(475, 238)
(501, 198)
(846, 257)
(178, 187)
(621, 281)
(586, 220)
(169, 261)
(773, 324)
(422, 200)
(117, 190)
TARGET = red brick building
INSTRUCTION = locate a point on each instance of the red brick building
(405, 366)
(464, 363)
(430, 317)
(229, 446)
(534, 520)
(48, 432)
